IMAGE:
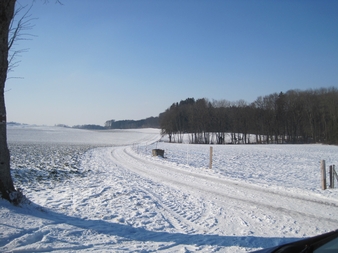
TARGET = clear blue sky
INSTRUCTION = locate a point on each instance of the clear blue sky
(96, 60)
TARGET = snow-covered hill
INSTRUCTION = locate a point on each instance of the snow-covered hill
(95, 191)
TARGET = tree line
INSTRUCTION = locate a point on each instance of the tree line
(151, 122)
(309, 116)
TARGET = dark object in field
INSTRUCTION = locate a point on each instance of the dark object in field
(158, 152)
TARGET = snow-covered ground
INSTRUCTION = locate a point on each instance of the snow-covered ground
(102, 191)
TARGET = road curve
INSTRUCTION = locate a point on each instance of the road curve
(226, 192)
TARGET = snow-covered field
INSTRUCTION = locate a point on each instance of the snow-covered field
(102, 191)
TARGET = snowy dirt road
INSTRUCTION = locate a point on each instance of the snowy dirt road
(121, 199)
(225, 191)
(220, 205)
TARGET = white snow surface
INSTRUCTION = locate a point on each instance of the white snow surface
(103, 191)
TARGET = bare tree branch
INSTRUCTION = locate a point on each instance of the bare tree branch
(21, 23)
(56, 1)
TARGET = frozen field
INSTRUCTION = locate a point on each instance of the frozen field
(102, 191)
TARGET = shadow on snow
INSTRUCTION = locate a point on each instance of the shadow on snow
(142, 235)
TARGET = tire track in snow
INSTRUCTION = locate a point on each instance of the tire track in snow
(226, 190)
(173, 209)
(169, 212)
(235, 184)
(182, 216)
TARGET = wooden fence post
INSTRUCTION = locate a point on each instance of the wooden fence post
(323, 173)
(210, 162)
(335, 175)
(331, 177)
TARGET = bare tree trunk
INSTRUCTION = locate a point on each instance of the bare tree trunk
(6, 15)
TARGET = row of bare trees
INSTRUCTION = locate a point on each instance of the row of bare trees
(309, 116)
